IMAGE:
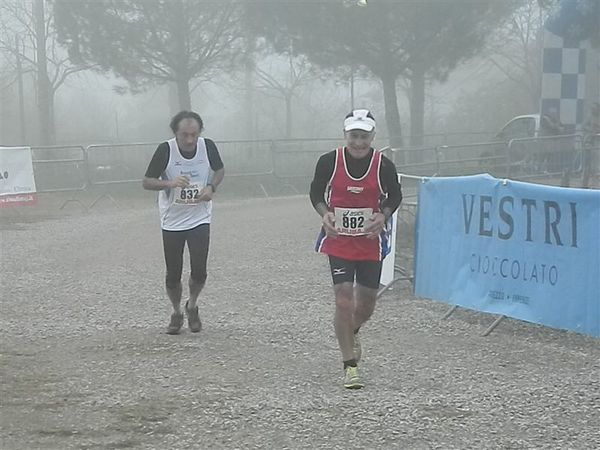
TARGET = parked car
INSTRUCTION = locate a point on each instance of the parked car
(529, 126)
(527, 147)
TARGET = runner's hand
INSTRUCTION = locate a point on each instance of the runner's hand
(375, 225)
(181, 181)
(206, 194)
(329, 224)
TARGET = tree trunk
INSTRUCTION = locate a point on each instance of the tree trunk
(249, 112)
(23, 134)
(417, 110)
(179, 26)
(6, 113)
(183, 94)
(288, 116)
(392, 115)
(43, 83)
(51, 123)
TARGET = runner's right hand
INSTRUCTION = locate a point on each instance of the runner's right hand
(329, 224)
(180, 181)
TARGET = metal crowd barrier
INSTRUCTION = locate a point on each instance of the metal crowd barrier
(296, 158)
(125, 163)
(118, 163)
(437, 139)
(545, 156)
(114, 164)
(247, 158)
(416, 159)
(451, 160)
(526, 159)
(469, 159)
(590, 160)
(51, 163)
(283, 162)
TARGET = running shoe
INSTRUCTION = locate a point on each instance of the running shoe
(176, 323)
(193, 319)
(352, 379)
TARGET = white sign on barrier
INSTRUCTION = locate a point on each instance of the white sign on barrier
(17, 182)
(387, 269)
(389, 262)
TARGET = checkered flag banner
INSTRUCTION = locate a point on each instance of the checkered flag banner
(566, 43)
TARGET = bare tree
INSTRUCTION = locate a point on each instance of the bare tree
(516, 49)
(151, 42)
(389, 39)
(28, 39)
(285, 84)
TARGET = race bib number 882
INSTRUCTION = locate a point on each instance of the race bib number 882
(352, 221)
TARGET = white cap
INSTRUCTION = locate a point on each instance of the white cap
(359, 119)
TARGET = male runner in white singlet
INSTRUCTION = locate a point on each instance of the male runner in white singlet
(186, 170)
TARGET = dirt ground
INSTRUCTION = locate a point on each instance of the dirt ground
(85, 362)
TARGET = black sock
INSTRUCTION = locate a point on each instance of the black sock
(350, 363)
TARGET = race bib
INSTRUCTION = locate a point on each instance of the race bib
(352, 221)
(188, 195)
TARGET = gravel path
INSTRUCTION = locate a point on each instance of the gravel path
(85, 363)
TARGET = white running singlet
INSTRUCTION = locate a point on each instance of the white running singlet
(180, 208)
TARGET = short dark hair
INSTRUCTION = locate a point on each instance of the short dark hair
(185, 115)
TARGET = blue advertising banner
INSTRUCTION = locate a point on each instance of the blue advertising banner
(523, 250)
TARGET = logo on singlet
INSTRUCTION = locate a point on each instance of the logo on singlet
(355, 189)
(189, 173)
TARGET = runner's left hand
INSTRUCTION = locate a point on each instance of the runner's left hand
(375, 225)
(206, 194)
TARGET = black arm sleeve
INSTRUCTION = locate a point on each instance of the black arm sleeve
(214, 158)
(390, 184)
(323, 172)
(159, 161)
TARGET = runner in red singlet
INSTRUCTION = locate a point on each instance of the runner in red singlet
(355, 190)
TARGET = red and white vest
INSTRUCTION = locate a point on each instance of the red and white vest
(351, 199)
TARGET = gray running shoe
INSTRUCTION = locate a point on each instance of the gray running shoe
(176, 323)
(193, 319)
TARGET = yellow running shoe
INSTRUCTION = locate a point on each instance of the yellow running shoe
(352, 379)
